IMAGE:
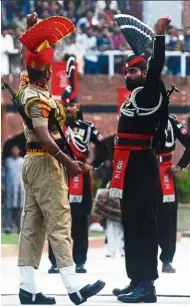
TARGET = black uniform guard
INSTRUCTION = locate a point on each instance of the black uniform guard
(79, 134)
(167, 217)
(135, 177)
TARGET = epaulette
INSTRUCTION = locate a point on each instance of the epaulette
(89, 123)
(61, 117)
(45, 106)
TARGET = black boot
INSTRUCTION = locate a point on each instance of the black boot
(53, 270)
(143, 293)
(26, 297)
(80, 268)
(86, 292)
(126, 290)
(167, 268)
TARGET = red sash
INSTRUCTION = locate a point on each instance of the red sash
(125, 143)
(121, 157)
(75, 183)
(76, 188)
(167, 182)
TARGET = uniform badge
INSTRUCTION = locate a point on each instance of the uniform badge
(120, 164)
(75, 129)
(81, 132)
(45, 113)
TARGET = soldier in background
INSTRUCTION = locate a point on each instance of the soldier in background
(79, 134)
(167, 217)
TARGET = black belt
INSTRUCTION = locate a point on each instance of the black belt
(37, 146)
(133, 142)
(33, 146)
(164, 158)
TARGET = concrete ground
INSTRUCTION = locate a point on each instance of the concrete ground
(172, 289)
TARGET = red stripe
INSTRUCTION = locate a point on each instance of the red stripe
(133, 136)
(136, 60)
(72, 96)
(130, 148)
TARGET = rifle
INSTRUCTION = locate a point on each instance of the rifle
(28, 121)
(19, 106)
(68, 148)
(170, 91)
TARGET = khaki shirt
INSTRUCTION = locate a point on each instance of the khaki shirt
(35, 109)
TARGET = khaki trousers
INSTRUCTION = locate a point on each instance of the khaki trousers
(46, 210)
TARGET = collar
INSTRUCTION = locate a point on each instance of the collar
(43, 91)
(38, 86)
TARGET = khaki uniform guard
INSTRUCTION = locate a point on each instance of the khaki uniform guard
(46, 207)
(46, 189)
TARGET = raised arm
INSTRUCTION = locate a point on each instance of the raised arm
(158, 55)
(156, 62)
(149, 96)
(32, 19)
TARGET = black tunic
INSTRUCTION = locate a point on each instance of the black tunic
(84, 133)
(176, 131)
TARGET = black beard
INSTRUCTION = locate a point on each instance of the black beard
(132, 84)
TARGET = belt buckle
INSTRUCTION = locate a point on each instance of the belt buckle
(116, 140)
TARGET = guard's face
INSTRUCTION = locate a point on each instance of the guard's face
(134, 77)
(71, 110)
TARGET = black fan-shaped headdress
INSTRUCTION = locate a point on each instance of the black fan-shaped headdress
(69, 92)
(137, 33)
(70, 70)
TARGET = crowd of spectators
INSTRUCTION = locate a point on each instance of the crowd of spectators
(96, 31)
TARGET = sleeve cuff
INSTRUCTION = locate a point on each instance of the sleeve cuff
(181, 166)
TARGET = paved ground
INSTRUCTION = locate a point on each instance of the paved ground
(103, 301)
(172, 289)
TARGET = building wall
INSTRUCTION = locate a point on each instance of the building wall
(186, 14)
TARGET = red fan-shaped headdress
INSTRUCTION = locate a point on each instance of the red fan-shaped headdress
(41, 37)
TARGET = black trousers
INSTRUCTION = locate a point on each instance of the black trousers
(139, 206)
(167, 230)
(79, 233)
(51, 255)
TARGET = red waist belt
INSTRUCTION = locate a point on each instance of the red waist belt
(167, 180)
(124, 144)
